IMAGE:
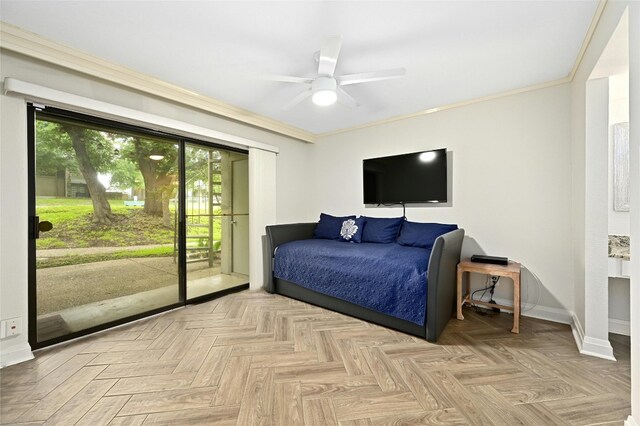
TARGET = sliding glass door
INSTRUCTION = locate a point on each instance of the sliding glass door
(127, 222)
(217, 219)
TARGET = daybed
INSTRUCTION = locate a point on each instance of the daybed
(421, 303)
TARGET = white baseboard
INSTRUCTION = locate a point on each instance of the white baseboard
(589, 345)
(600, 348)
(578, 332)
(15, 354)
(586, 345)
(617, 326)
(541, 312)
(630, 421)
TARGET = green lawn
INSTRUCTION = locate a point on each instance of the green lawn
(72, 225)
(91, 258)
(73, 228)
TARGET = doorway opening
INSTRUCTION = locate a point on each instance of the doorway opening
(607, 217)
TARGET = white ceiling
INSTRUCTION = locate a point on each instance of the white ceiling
(453, 51)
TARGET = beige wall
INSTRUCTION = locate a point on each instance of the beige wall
(291, 203)
(511, 183)
(518, 175)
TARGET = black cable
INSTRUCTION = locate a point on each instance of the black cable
(404, 208)
(490, 288)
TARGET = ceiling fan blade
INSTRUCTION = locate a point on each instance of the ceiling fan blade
(286, 78)
(366, 77)
(345, 98)
(329, 55)
(299, 98)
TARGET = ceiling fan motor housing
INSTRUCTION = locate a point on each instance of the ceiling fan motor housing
(324, 83)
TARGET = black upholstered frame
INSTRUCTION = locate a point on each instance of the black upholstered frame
(441, 276)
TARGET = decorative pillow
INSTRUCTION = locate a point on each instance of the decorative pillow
(381, 229)
(351, 230)
(416, 234)
(329, 226)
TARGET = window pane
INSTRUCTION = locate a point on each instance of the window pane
(111, 197)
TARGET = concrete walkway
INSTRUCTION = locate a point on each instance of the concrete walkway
(63, 287)
(78, 251)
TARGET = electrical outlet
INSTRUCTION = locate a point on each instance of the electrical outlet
(10, 327)
(14, 326)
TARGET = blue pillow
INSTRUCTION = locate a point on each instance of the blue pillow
(416, 234)
(351, 230)
(329, 226)
(381, 229)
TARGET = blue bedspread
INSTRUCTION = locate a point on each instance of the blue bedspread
(387, 278)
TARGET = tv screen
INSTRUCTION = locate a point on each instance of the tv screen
(419, 177)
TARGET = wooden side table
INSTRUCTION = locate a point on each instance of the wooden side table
(512, 270)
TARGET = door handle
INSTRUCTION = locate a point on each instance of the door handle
(36, 227)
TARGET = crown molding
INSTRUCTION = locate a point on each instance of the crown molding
(587, 38)
(35, 46)
(569, 78)
(449, 106)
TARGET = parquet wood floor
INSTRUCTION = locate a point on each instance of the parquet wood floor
(255, 358)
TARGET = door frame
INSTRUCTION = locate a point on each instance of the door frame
(181, 141)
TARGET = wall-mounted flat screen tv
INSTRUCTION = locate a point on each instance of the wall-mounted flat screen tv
(419, 177)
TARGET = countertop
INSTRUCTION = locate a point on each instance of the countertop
(619, 246)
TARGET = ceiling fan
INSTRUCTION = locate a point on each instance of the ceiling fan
(326, 88)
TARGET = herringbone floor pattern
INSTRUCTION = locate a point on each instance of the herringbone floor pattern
(255, 358)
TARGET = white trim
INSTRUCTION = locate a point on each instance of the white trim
(467, 102)
(590, 345)
(596, 281)
(578, 333)
(35, 93)
(588, 36)
(541, 312)
(15, 355)
(262, 196)
(600, 348)
(633, 9)
(586, 345)
(35, 46)
(630, 421)
(617, 326)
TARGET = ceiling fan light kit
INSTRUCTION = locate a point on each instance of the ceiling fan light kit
(324, 91)
(326, 87)
(324, 97)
